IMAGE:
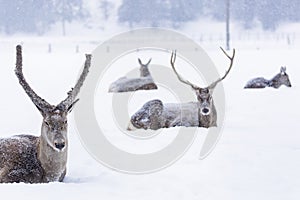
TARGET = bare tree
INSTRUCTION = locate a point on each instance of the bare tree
(227, 24)
(31, 159)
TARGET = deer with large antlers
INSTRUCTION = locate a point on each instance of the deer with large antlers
(32, 159)
(154, 114)
(144, 82)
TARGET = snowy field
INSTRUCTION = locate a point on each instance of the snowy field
(257, 156)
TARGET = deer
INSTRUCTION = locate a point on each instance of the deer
(144, 82)
(155, 114)
(282, 78)
(43, 158)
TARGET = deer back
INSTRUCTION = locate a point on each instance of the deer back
(19, 160)
(259, 82)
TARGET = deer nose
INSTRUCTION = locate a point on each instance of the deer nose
(131, 127)
(59, 145)
(205, 111)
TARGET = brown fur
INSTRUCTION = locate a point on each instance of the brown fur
(31, 159)
(19, 160)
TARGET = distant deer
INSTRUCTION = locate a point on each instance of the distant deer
(31, 159)
(280, 79)
(144, 69)
(144, 82)
(155, 115)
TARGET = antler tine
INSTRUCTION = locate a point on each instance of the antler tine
(40, 103)
(66, 104)
(214, 84)
(172, 61)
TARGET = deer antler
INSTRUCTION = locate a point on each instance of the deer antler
(172, 61)
(214, 84)
(40, 103)
(68, 103)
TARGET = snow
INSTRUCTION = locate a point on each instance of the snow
(257, 156)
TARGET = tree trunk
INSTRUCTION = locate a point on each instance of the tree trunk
(227, 24)
(63, 27)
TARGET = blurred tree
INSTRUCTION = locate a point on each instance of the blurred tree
(269, 12)
(106, 6)
(159, 12)
(127, 12)
(68, 10)
(215, 9)
(26, 16)
(183, 11)
(244, 11)
(150, 13)
(36, 16)
(228, 24)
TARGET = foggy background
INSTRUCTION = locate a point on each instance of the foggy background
(41, 17)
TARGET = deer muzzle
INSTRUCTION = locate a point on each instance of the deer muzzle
(59, 143)
(205, 111)
(131, 127)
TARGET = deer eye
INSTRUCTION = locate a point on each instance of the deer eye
(47, 124)
(65, 122)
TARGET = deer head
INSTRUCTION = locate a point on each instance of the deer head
(144, 70)
(204, 94)
(148, 117)
(282, 78)
(54, 126)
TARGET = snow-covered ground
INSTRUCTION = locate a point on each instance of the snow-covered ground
(257, 156)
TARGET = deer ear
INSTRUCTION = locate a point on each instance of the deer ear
(149, 61)
(70, 108)
(140, 62)
(283, 69)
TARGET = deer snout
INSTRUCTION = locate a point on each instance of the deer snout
(59, 143)
(205, 111)
(59, 146)
(130, 127)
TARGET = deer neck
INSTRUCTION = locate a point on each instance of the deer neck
(144, 72)
(155, 122)
(274, 82)
(208, 121)
(52, 161)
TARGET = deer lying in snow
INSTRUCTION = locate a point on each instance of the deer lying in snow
(280, 79)
(155, 114)
(144, 82)
(31, 159)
